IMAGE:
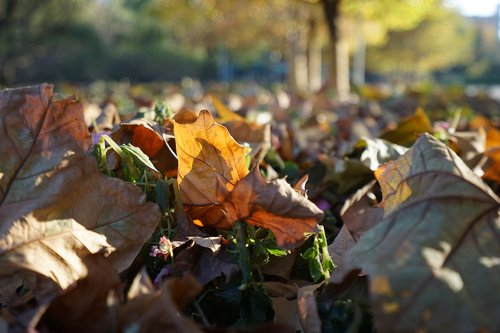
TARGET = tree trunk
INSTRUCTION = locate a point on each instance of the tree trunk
(301, 75)
(343, 86)
(331, 10)
(314, 57)
(290, 60)
(359, 61)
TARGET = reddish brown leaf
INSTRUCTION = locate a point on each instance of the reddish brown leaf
(275, 206)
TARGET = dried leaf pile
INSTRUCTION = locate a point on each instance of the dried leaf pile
(182, 220)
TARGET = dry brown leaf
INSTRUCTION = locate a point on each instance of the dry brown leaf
(359, 213)
(207, 156)
(185, 117)
(148, 310)
(280, 266)
(183, 291)
(340, 245)
(188, 231)
(152, 139)
(286, 312)
(432, 261)
(278, 289)
(56, 207)
(275, 206)
(83, 308)
(105, 118)
(308, 308)
(408, 129)
(300, 186)
(257, 136)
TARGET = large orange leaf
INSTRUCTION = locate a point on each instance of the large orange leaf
(207, 155)
(275, 206)
(55, 205)
(433, 262)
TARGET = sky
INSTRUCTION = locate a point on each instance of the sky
(474, 7)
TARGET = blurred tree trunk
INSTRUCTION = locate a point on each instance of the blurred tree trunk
(314, 57)
(339, 74)
(359, 61)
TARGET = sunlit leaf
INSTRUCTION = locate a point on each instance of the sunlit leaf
(207, 155)
(56, 207)
(405, 133)
(432, 262)
(274, 205)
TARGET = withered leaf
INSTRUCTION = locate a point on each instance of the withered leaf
(285, 312)
(280, 266)
(208, 155)
(275, 206)
(360, 213)
(148, 310)
(308, 308)
(55, 205)
(433, 261)
(404, 134)
(257, 136)
(151, 138)
(83, 308)
(223, 111)
(378, 151)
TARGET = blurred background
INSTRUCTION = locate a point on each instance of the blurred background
(302, 44)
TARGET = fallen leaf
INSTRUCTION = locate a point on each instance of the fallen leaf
(280, 266)
(4, 327)
(83, 308)
(409, 127)
(433, 260)
(188, 231)
(308, 308)
(343, 242)
(149, 310)
(257, 136)
(378, 151)
(224, 113)
(359, 213)
(183, 291)
(286, 312)
(300, 186)
(207, 155)
(275, 206)
(185, 117)
(492, 133)
(211, 267)
(56, 207)
(351, 174)
(151, 138)
(278, 289)
(108, 118)
(491, 165)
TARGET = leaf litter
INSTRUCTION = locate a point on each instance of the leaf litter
(154, 228)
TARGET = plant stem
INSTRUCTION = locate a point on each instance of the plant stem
(177, 193)
(126, 158)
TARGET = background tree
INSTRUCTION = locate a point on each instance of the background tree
(27, 26)
(436, 44)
